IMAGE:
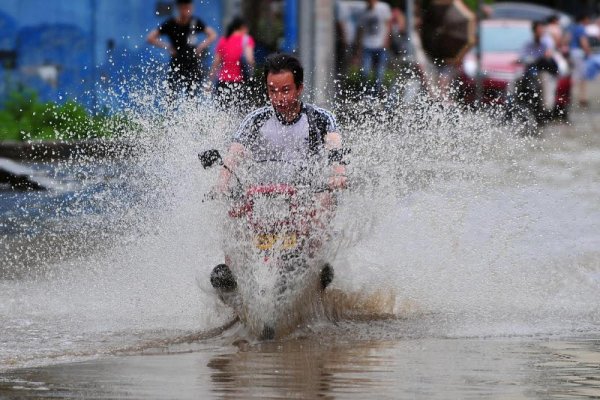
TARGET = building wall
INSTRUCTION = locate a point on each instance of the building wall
(66, 48)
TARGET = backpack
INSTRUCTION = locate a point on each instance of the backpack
(317, 129)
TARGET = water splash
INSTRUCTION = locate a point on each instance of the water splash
(444, 212)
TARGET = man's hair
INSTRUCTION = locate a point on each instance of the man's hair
(535, 24)
(552, 19)
(581, 16)
(178, 2)
(281, 62)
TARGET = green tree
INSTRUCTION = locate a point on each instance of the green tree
(472, 4)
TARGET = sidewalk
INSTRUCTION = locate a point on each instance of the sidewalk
(594, 99)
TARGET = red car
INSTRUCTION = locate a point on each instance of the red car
(501, 45)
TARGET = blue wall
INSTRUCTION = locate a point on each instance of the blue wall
(70, 39)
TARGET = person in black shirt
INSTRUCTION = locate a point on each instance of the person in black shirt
(182, 31)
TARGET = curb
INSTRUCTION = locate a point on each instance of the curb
(60, 150)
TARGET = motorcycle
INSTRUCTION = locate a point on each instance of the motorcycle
(276, 246)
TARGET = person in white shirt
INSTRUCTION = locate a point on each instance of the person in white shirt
(373, 39)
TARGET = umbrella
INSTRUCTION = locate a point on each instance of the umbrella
(449, 29)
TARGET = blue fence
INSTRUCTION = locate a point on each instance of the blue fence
(67, 49)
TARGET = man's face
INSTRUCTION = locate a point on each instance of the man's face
(283, 92)
(185, 10)
(539, 31)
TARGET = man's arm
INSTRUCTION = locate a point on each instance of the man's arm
(337, 180)
(154, 39)
(211, 36)
(236, 153)
(585, 45)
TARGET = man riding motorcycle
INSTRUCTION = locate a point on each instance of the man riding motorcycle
(288, 130)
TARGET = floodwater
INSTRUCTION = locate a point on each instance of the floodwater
(487, 242)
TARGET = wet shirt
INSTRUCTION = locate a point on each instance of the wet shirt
(270, 139)
(577, 32)
(284, 151)
(374, 24)
(183, 38)
(231, 50)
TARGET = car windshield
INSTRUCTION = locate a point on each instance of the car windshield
(504, 38)
(521, 13)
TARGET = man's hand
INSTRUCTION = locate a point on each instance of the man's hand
(222, 186)
(211, 35)
(338, 179)
(338, 182)
(199, 50)
(154, 39)
(235, 154)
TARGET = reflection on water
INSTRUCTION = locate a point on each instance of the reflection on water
(83, 213)
(571, 369)
(332, 368)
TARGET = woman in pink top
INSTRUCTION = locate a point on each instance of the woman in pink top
(228, 62)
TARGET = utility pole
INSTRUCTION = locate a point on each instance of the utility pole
(94, 71)
(290, 15)
(231, 8)
(410, 23)
(479, 71)
(316, 40)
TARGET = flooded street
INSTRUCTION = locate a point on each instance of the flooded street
(431, 368)
(488, 242)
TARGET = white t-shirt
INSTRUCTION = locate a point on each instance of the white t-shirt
(548, 40)
(287, 144)
(374, 24)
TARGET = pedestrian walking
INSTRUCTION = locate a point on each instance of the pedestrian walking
(373, 40)
(579, 51)
(185, 73)
(234, 62)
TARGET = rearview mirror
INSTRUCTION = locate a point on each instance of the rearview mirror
(208, 158)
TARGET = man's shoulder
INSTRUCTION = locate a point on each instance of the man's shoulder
(383, 9)
(257, 116)
(251, 123)
(321, 114)
(259, 112)
(318, 110)
(577, 29)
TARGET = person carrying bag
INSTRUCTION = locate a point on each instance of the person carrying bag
(234, 61)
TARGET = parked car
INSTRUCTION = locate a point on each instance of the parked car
(501, 44)
(528, 12)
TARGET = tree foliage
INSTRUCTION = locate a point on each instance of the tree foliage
(25, 117)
